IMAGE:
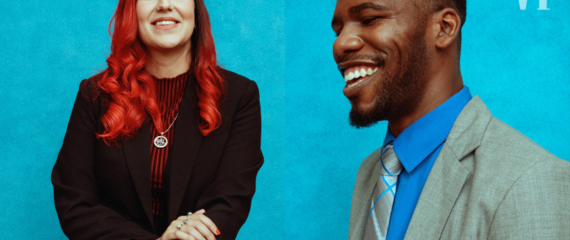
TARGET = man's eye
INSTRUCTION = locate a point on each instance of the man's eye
(368, 21)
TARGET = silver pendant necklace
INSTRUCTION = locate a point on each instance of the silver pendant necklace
(161, 141)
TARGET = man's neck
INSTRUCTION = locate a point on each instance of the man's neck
(438, 90)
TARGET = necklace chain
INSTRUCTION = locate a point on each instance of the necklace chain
(170, 125)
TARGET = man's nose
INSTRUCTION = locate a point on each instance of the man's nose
(346, 43)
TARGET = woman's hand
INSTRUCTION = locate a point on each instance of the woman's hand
(195, 226)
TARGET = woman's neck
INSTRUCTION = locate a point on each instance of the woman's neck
(169, 63)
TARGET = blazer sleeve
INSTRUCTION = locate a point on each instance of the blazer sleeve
(81, 213)
(227, 199)
(537, 206)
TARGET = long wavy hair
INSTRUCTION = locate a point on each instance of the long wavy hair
(132, 90)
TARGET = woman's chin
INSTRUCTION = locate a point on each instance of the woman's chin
(169, 45)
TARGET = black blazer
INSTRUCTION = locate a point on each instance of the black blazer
(104, 192)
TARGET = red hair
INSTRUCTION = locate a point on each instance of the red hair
(132, 90)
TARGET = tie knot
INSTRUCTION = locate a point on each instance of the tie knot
(391, 165)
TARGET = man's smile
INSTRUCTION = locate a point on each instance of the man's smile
(357, 74)
(354, 74)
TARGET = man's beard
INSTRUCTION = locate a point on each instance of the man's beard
(398, 93)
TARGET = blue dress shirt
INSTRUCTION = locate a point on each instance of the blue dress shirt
(417, 147)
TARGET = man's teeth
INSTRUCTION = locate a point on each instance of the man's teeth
(349, 76)
(165, 23)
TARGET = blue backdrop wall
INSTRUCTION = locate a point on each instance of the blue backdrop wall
(517, 61)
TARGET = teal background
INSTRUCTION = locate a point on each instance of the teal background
(517, 61)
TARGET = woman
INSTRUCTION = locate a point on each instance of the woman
(161, 133)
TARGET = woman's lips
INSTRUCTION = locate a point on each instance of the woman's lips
(165, 25)
(357, 77)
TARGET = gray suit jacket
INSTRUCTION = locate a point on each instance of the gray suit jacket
(488, 182)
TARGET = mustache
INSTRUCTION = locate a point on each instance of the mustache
(371, 57)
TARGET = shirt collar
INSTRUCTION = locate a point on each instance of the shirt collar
(421, 138)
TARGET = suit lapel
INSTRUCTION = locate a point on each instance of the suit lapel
(365, 181)
(137, 155)
(442, 188)
(448, 175)
(185, 148)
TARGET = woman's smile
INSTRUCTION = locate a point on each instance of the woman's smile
(165, 23)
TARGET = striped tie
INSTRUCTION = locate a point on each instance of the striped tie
(383, 195)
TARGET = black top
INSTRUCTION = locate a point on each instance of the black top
(104, 192)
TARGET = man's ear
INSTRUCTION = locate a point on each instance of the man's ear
(446, 27)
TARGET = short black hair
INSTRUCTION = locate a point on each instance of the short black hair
(430, 6)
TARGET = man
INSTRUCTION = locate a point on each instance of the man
(447, 169)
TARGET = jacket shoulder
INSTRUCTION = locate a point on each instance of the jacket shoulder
(90, 96)
(241, 95)
(487, 146)
(504, 160)
(508, 176)
(239, 89)
(233, 79)
(535, 202)
(89, 88)
(504, 144)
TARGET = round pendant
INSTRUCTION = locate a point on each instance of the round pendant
(160, 142)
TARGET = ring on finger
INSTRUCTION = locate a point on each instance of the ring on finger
(178, 227)
(185, 221)
(189, 213)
